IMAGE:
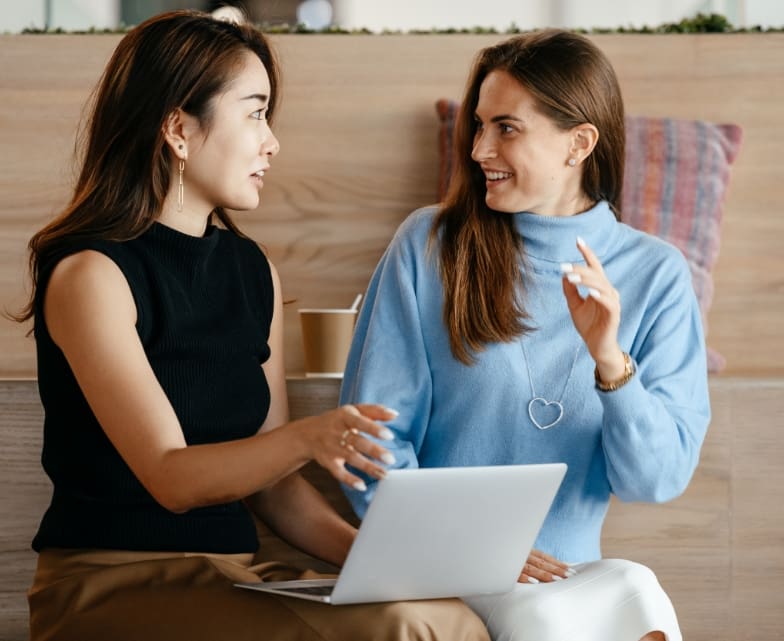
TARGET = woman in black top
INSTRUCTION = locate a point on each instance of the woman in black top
(159, 334)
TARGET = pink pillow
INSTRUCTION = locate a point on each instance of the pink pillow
(674, 186)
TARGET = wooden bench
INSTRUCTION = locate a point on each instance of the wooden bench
(716, 550)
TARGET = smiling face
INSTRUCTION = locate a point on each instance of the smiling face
(227, 159)
(523, 154)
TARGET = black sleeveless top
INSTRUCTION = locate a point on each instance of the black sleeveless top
(204, 308)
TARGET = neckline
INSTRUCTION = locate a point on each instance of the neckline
(553, 239)
(192, 245)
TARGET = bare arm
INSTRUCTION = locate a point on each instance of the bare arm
(90, 314)
(300, 514)
(292, 507)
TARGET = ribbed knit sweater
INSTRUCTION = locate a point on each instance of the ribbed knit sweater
(641, 442)
(204, 309)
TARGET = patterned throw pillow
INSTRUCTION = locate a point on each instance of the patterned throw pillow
(674, 186)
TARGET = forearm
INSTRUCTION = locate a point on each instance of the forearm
(651, 447)
(299, 514)
(654, 425)
(199, 475)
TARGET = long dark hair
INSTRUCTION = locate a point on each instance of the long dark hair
(176, 60)
(480, 250)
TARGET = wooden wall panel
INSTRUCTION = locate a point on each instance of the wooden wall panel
(358, 132)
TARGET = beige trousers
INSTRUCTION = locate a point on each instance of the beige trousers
(97, 595)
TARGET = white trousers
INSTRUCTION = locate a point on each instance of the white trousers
(607, 600)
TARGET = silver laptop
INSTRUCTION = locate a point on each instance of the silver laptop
(439, 532)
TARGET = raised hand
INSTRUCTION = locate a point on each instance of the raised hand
(597, 316)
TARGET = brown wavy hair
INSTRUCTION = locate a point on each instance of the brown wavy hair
(480, 251)
(176, 60)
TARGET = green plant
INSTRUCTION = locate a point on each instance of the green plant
(701, 23)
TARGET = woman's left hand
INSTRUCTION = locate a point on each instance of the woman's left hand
(543, 568)
(597, 316)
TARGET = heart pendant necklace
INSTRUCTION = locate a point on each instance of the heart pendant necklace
(539, 405)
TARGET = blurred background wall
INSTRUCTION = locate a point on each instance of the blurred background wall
(379, 15)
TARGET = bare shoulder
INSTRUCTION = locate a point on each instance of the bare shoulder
(85, 287)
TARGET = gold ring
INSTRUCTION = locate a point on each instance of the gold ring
(344, 437)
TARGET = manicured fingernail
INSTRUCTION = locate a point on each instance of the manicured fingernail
(573, 278)
(566, 268)
(570, 572)
(394, 413)
(580, 241)
(387, 458)
(386, 434)
(532, 580)
(360, 486)
(557, 578)
(594, 293)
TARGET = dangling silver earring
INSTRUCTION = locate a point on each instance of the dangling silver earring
(572, 162)
(181, 188)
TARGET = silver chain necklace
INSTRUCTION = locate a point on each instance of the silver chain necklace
(540, 401)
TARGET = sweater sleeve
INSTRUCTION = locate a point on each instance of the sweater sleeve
(653, 427)
(387, 363)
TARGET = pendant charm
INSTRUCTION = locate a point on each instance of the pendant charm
(546, 408)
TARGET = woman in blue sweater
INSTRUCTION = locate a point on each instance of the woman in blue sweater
(520, 322)
(159, 335)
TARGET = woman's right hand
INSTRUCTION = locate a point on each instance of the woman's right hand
(337, 438)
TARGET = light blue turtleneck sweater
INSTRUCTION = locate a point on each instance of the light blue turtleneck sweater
(640, 442)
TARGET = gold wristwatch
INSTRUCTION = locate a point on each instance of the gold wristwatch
(628, 371)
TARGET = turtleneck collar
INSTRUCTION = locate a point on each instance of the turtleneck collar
(551, 240)
(185, 244)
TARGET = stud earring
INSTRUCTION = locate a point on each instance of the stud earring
(181, 188)
(572, 162)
